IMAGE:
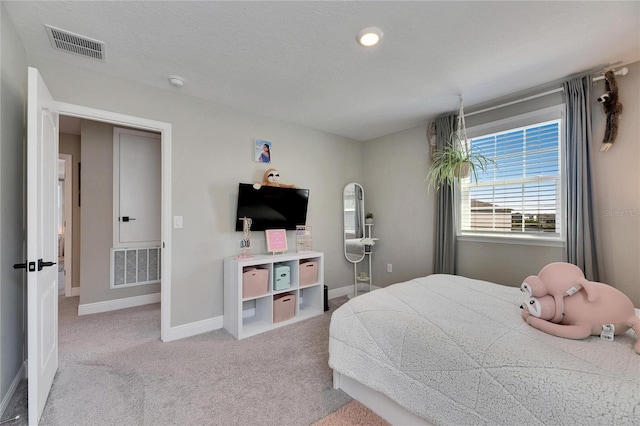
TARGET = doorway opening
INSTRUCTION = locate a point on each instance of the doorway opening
(71, 113)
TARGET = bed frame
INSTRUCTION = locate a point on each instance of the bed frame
(380, 404)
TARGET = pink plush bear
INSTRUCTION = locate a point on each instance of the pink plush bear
(559, 280)
(582, 317)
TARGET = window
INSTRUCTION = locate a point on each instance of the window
(520, 196)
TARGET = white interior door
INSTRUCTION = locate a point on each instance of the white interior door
(137, 184)
(42, 243)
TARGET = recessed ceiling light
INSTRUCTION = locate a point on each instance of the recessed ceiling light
(369, 36)
(176, 81)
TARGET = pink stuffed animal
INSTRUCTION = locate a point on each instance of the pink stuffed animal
(582, 317)
(559, 279)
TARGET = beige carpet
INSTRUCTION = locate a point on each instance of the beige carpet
(352, 414)
(114, 371)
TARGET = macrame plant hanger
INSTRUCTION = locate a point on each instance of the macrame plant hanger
(461, 129)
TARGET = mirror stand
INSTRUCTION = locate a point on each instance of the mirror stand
(354, 231)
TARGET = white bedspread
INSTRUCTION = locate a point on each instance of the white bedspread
(456, 351)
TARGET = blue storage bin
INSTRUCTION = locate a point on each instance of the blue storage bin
(281, 277)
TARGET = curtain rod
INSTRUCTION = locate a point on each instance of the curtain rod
(621, 71)
(517, 101)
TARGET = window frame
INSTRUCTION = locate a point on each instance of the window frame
(539, 116)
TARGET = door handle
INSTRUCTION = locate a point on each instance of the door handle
(42, 264)
(127, 218)
(32, 266)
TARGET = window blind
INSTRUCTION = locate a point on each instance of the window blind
(521, 193)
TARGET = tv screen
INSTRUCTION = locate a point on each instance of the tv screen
(271, 207)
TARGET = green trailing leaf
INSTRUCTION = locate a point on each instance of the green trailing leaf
(448, 162)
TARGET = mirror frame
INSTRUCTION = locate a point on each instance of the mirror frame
(351, 256)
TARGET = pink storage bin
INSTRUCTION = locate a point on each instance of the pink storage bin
(308, 273)
(255, 282)
(284, 307)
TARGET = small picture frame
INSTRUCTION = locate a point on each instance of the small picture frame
(262, 151)
(276, 240)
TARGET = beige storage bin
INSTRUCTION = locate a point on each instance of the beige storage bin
(308, 273)
(255, 282)
(284, 307)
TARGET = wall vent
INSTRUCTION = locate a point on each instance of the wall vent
(135, 266)
(76, 44)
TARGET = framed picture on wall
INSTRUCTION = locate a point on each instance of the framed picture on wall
(262, 150)
(276, 240)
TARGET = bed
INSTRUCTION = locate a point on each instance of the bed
(449, 350)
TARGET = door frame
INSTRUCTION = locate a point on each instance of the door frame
(165, 131)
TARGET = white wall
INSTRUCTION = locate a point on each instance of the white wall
(212, 153)
(13, 84)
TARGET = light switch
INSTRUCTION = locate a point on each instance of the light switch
(177, 221)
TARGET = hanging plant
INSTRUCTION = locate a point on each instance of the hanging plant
(457, 160)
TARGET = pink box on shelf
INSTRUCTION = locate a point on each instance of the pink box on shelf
(308, 273)
(255, 282)
(284, 307)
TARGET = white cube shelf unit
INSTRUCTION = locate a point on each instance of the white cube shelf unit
(244, 317)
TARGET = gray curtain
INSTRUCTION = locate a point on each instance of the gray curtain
(444, 259)
(581, 244)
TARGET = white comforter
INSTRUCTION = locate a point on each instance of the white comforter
(456, 351)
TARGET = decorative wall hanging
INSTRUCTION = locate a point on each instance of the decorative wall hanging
(262, 151)
(612, 109)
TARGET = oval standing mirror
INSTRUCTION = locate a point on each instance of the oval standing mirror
(353, 205)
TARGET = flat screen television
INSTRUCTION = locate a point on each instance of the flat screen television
(271, 207)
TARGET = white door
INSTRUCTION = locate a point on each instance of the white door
(137, 183)
(42, 243)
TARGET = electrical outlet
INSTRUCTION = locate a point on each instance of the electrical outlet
(389, 267)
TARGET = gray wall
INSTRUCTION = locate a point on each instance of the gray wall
(617, 182)
(96, 217)
(12, 133)
(397, 193)
(70, 144)
(395, 170)
(212, 153)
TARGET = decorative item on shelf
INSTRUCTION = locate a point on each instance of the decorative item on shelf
(368, 219)
(457, 160)
(304, 238)
(245, 242)
(368, 243)
(276, 240)
(272, 178)
(363, 276)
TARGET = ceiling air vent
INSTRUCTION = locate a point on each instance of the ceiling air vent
(77, 44)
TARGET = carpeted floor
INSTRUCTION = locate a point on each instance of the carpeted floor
(114, 370)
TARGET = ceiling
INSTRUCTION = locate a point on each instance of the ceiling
(299, 61)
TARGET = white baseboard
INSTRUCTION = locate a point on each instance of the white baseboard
(346, 290)
(22, 374)
(193, 328)
(216, 323)
(113, 305)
